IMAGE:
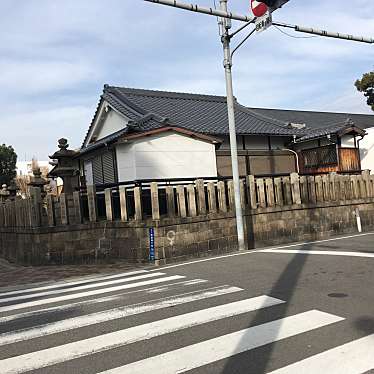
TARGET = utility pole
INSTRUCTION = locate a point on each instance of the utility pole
(225, 26)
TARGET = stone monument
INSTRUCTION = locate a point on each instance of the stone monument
(38, 181)
(4, 193)
(66, 167)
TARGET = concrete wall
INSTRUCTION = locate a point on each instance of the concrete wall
(367, 150)
(166, 156)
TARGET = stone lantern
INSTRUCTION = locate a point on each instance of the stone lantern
(4, 193)
(38, 181)
(66, 167)
(13, 189)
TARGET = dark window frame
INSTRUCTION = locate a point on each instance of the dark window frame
(320, 157)
(98, 158)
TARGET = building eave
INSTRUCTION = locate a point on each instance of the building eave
(192, 134)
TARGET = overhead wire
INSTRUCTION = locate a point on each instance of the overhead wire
(293, 36)
(242, 42)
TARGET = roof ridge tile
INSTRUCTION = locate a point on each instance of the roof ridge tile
(170, 94)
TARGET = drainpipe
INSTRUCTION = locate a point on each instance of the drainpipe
(297, 158)
(358, 148)
(358, 141)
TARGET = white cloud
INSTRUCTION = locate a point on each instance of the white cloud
(35, 133)
(56, 56)
(347, 102)
(38, 77)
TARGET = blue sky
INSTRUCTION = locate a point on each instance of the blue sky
(57, 55)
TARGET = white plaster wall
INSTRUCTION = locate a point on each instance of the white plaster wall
(125, 154)
(112, 123)
(367, 150)
(348, 141)
(166, 156)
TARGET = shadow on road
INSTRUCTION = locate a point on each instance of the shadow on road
(365, 324)
(284, 289)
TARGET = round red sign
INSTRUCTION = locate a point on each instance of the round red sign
(258, 8)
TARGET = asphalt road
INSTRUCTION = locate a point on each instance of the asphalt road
(306, 308)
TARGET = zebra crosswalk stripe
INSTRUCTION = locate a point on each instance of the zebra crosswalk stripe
(72, 283)
(105, 299)
(352, 358)
(116, 313)
(80, 288)
(81, 295)
(209, 351)
(70, 351)
(355, 357)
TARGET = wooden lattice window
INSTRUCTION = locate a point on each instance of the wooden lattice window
(322, 156)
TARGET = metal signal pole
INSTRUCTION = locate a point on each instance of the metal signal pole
(225, 26)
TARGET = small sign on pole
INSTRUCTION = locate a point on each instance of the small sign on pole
(264, 22)
(151, 244)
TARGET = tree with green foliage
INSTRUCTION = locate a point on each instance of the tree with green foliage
(8, 161)
(366, 85)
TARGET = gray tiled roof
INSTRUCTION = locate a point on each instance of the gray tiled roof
(323, 131)
(200, 113)
(207, 114)
(317, 120)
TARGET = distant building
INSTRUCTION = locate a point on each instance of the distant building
(24, 168)
(25, 173)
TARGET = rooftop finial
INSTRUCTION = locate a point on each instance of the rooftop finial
(349, 121)
(63, 144)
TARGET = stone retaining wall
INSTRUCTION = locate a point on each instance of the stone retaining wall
(183, 237)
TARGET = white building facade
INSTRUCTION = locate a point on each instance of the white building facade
(367, 150)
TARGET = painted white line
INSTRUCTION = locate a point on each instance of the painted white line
(113, 314)
(70, 351)
(56, 309)
(39, 312)
(320, 253)
(209, 351)
(80, 288)
(192, 282)
(80, 295)
(65, 284)
(356, 357)
(254, 251)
